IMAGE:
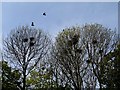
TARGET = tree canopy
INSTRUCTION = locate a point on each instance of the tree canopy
(80, 57)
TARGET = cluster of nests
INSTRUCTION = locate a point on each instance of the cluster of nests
(74, 41)
(32, 41)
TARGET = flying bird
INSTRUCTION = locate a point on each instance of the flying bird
(44, 14)
(32, 24)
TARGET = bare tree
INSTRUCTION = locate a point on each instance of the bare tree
(98, 41)
(68, 52)
(25, 47)
(79, 53)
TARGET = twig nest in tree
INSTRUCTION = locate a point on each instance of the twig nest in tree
(25, 40)
(69, 43)
(32, 43)
(105, 55)
(31, 38)
(18, 83)
(43, 68)
(65, 51)
(88, 61)
(100, 51)
(94, 41)
(75, 39)
(79, 50)
(75, 36)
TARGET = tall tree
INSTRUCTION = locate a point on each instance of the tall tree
(80, 54)
(25, 47)
(98, 41)
(68, 52)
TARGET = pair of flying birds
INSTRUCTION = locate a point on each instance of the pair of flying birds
(44, 14)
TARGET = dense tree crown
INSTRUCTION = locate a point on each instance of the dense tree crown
(85, 56)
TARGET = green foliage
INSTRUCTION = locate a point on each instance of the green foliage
(41, 77)
(112, 71)
(9, 77)
(72, 49)
(98, 41)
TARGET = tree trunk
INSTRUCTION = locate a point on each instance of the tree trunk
(100, 86)
(24, 80)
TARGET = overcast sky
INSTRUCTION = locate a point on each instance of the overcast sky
(59, 15)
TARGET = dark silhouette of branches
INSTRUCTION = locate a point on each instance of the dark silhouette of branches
(26, 47)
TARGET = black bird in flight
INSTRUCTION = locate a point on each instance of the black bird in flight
(44, 14)
(32, 24)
